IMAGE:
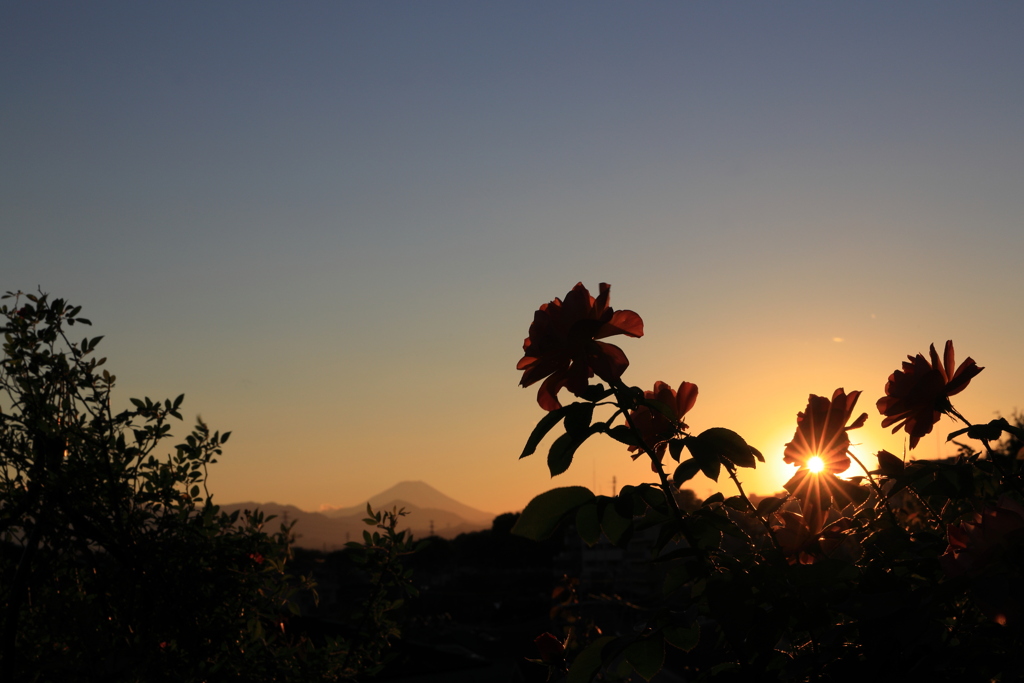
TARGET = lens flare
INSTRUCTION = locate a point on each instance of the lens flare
(815, 464)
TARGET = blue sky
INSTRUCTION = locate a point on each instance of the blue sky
(329, 224)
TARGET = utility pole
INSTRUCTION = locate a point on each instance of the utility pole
(614, 489)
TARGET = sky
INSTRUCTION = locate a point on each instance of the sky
(328, 224)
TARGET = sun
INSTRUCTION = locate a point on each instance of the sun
(815, 464)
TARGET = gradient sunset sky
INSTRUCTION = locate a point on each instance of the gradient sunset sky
(328, 224)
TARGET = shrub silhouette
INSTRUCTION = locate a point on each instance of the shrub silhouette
(912, 570)
(115, 563)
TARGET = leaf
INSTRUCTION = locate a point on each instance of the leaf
(588, 523)
(852, 492)
(676, 577)
(889, 464)
(564, 448)
(588, 662)
(705, 532)
(713, 498)
(646, 656)
(541, 430)
(727, 444)
(675, 448)
(560, 455)
(769, 505)
(623, 434)
(577, 419)
(1016, 431)
(987, 432)
(686, 471)
(953, 435)
(738, 503)
(683, 637)
(711, 469)
(543, 514)
(614, 524)
(705, 454)
(626, 503)
(654, 497)
(596, 392)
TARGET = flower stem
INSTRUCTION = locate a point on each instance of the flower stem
(622, 398)
(743, 494)
(936, 517)
(878, 490)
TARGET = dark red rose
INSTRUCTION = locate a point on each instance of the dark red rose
(974, 545)
(563, 345)
(821, 431)
(817, 492)
(982, 551)
(654, 427)
(798, 543)
(917, 396)
(552, 651)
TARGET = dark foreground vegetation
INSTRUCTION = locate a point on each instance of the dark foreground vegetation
(482, 598)
(115, 565)
(900, 570)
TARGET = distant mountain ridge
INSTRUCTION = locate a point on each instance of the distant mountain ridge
(417, 494)
(330, 529)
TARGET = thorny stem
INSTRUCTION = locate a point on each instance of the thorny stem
(659, 468)
(743, 494)
(878, 490)
(666, 485)
(936, 515)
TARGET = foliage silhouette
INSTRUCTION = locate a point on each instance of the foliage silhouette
(115, 563)
(913, 570)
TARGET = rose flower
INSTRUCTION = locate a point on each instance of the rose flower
(563, 345)
(821, 431)
(984, 551)
(917, 396)
(552, 650)
(977, 544)
(798, 543)
(654, 427)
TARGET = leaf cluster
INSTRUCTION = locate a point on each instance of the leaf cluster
(115, 564)
(912, 571)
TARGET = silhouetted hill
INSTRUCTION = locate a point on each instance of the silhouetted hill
(331, 529)
(418, 494)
